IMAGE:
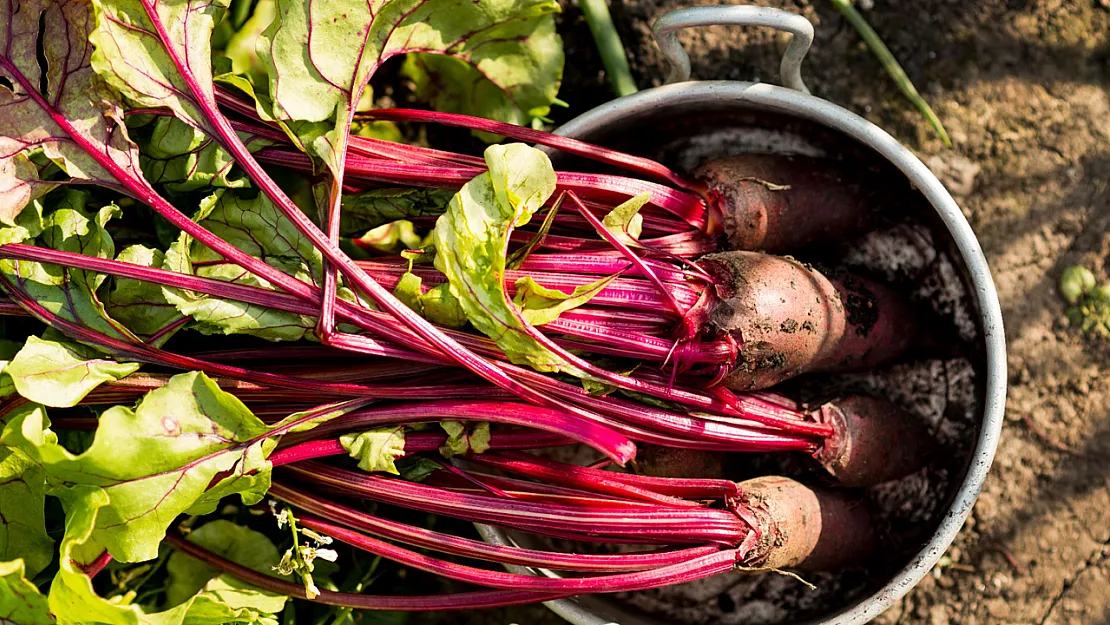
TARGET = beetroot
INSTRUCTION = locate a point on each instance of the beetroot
(781, 203)
(790, 318)
(806, 528)
(873, 441)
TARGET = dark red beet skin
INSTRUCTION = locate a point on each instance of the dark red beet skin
(789, 319)
(804, 528)
(873, 442)
(780, 203)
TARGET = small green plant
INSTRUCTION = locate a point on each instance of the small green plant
(887, 60)
(1089, 308)
(609, 46)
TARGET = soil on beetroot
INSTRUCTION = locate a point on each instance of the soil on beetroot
(1023, 88)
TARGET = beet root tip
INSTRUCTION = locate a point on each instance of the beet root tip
(806, 529)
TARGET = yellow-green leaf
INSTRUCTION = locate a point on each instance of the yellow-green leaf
(472, 240)
(539, 304)
(21, 603)
(60, 374)
(376, 450)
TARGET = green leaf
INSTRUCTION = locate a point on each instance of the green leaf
(72, 597)
(377, 207)
(141, 306)
(625, 221)
(324, 62)
(184, 447)
(257, 227)
(596, 388)
(472, 240)
(74, 600)
(539, 304)
(408, 291)
(68, 229)
(521, 254)
(21, 603)
(376, 450)
(442, 307)
(60, 374)
(511, 74)
(71, 294)
(393, 238)
(188, 577)
(19, 186)
(1075, 281)
(307, 419)
(241, 48)
(154, 462)
(8, 350)
(377, 129)
(461, 440)
(264, 108)
(417, 468)
(22, 518)
(27, 225)
(130, 55)
(185, 159)
(74, 103)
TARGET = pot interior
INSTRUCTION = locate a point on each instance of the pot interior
(942, 383)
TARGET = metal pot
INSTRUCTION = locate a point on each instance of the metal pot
(794, 121)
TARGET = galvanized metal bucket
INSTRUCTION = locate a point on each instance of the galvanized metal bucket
(785, 107)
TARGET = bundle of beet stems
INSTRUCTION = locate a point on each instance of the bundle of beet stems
(547, 308)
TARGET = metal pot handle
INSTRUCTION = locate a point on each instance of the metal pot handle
(666, 27)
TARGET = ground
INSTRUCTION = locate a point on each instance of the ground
(1023, 88)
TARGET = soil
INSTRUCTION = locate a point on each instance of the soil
(1023, 88)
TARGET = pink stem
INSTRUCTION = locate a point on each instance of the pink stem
(416, 442)
(96, 566)
(454, 545)
(698, 568)
(625, 293)
(570, 146)
(455, 601)
(663, 524)
(591, 432)
(527, 490)
(668, 295)
(563, 473)
(792, 437)
(146, 353)
(463, 475)
(576, 477)
(598, 187)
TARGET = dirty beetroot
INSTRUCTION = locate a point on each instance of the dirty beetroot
(257, 348)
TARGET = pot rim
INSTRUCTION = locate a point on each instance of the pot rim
(770, 98)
